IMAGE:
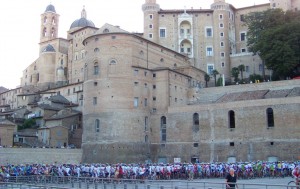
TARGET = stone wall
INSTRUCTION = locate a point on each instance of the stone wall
(39, 155)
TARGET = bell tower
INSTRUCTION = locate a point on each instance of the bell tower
(49, 24)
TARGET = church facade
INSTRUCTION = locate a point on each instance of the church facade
(142, 96)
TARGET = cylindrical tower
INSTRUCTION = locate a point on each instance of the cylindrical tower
(151, 25)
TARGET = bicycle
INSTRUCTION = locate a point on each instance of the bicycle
(292, 185)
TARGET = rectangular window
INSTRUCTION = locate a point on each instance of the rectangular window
(189, 50)
(221, 16)
(182, 50)
(162, 33)
(154, 98)
(242, 18)
(209, 32)
(222, 44)
(243, 36)
(260, 67)
(221, 34)
(94, 100)
(145, 102)
(150, 26)
(136, 102)
(188, 31)
(231, 144)
(247, 69)
(136, 83)
(181, 31)
(146, 85)
(136, 72)
(154, 75)
(243, 50)
(222, 54)
(150, 35)
(210, 68)
(221, 25)
(223, 64)
(209, 51)
(151, 16)
(154, 86)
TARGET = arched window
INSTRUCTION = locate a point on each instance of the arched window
(97, 125)
(270, 117)
(106, 30)
(196, 122)
(163, 128)
(52, 32)
(113, 62)
(231, 117)
(44, 32)
(96, 68)
(96, 50)
(45, 19)
(53, 20)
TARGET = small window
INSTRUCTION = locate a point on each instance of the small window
(154, 98)
(162, 33)
(136, 83)
(97, 125)
(136, 102)
(94, 100)
(231, 144)
(222, 44)
(113, 37)
(223, 64)
(231, 116)
(96, 50)
(221, 16)
(145, 102)
(106, 30)
(270, 117)
(221, 25)
(209, 51)
(150, 35)
(150, 26)
(136, 72)
(113, 62)
(162, 60)
(95, 83)
(154, 75)
(151, 16)
(222, 34)
(242, 18)
(146, 85)
(196, 145)
(247, 69)
(96, 68)
(243, 36)
(271, 143)
(209, 32)
(222, 54)
(210, 68)
(154, 87)
(243, 50)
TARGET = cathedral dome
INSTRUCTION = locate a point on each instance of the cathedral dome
(82, 22)
(50, 8)
(49, 48)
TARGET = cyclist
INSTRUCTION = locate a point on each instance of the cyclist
(296, 175)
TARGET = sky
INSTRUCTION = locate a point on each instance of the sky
(20, 25)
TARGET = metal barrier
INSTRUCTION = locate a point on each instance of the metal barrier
(52, 182)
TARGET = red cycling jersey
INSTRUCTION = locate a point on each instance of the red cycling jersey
(296, 173)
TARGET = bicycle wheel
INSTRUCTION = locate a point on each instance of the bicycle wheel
(292, 185)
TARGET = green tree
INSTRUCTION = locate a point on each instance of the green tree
(28, 123)
(215, 73)
(220, 81)
(235, 74)
(275, 36)
(206, 78)
(242, 69)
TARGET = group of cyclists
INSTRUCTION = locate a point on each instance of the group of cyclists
(159, 171)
